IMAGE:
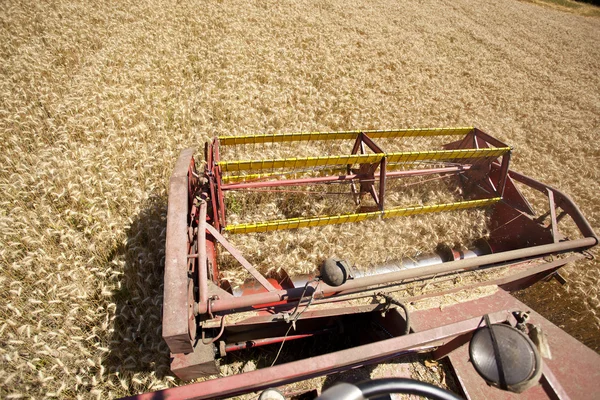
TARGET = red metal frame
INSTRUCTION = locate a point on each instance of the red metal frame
(197, 214)
(328, 363)
(441, 331)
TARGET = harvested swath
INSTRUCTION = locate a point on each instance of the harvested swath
(98, 98)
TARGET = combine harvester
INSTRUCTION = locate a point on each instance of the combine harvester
(496, 346)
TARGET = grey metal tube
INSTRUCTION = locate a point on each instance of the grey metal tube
(361, 283)
(300, 281)
(442, 254)
(404, 263)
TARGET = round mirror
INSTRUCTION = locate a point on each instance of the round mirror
(505, 357)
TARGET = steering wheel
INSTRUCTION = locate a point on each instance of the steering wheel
(379, 387)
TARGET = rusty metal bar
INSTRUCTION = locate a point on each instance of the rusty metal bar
(202, 265)
(368, 281)
(503, 174)
(490, 139)
(358, 145)
(263, 342)
(272, 340)
(371, 144)
(219, 183)
(382, 176)
(553, 222)
(341, 178)
(320, 365)
(238, 256)
(210, 172)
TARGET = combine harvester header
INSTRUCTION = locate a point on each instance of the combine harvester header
(206, 318)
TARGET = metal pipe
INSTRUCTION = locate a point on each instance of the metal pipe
(443, 254)
(469, 263)
(299, 281)
(499, 282)
(264, 342)
(403, 264)
(202, 265)
(240, 258)
(341, 178)
(289, 295)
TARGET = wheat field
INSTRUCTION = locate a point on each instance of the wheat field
(98, 97)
